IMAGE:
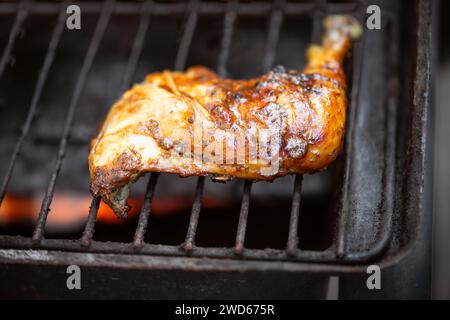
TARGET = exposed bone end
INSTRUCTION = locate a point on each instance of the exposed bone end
(345, 23)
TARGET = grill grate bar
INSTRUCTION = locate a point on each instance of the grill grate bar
(319, 13)
(195, 214)
(276, 20)
(228, 26)
(168, 250)
(180, 64)
(188, 34)
(138, 44)
(145, 211)
(90, 224)
(243, 217)
(292, 243)
(15, 30)
(136, 51)
(87, 63)
(48, 61)
(356, 80)
(228, 29)
(273, 35)
(254, 8)
(269, 58)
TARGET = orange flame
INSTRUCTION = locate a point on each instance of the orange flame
(70, 208)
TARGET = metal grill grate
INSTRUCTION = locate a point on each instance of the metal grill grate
(337, 252)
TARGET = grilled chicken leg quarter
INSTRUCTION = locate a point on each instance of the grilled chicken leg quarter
(195, 123)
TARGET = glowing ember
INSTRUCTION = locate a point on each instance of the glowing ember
(71, 209)
(66, 209)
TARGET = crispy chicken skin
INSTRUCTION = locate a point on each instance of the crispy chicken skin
(196, 123)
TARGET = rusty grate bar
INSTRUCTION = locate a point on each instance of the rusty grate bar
(276, 20)
(292, 243)
(136, 51)
(253, 8)
(48, 61)
(188, 34)
(21, 15)
(319, 13)
(166, 250)
(228, 29)
(180, 64)
(243, 217)
(138, 44)
(87, 63)
(195, 214)
(273, 35)
(228, 26)
(90, 224)
(145, 211)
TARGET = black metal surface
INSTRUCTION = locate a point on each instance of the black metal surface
(343, 217)
(365, 231)
(161, 283)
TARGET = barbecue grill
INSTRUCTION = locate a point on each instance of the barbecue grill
(365, 209)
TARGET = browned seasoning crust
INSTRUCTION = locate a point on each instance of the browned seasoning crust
(154, 126)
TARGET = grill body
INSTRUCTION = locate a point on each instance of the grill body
(377, 182)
